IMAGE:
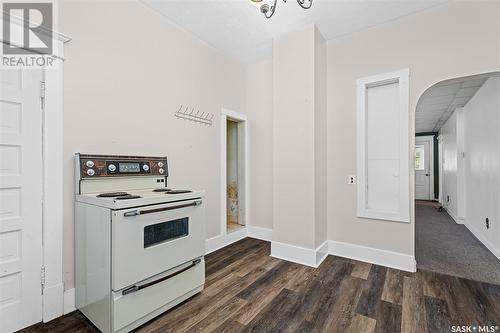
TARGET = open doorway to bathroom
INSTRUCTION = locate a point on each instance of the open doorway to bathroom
(234, 172)
(233, 218)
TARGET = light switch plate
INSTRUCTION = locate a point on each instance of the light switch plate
(351, 180)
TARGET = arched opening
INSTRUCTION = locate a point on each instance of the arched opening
(457, 178)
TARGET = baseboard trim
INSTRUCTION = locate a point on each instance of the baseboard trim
(52, 302)
(453, 216)
(260, 233)
(372, 255)
(218, 242)
(493, 249)
(298, 254)
(69, 301)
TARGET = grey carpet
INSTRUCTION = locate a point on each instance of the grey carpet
(445, 247)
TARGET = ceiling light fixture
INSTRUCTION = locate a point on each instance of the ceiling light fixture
(268, 7)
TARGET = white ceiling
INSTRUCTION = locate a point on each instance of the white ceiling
(238, 29)
(439, 101)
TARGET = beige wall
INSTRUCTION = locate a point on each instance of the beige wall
(320, 151)
(259, 105)
(127, 71)
(299, 132)
(452, 40)
(293, 133)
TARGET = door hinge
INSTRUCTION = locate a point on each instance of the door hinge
(42, 277)
(42, 89)
(42, 95)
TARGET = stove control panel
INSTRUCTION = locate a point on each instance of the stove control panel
(96, 166)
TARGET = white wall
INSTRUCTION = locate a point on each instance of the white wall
(450, 165)
(431, 43)
(259, 104)
(127, 71)
(482, 163)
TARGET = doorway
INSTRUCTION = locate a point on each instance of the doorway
(456, 139)
(424, 167)
(234, 171)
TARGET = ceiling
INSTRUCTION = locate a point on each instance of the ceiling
(439, 101)
(238, 29)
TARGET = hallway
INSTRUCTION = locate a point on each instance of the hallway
(445, 247)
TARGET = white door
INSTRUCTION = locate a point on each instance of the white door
(422, 171)
(20, 198)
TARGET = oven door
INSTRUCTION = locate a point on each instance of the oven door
(150, 240)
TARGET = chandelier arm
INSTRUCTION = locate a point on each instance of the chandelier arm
(301, 3)
(272, 10)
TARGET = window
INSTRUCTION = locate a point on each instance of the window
(165, 231)
(419, 157)
(383, 140)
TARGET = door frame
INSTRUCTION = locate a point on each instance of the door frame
(241, 119)
(430, 140)
(440, 167)
(51, 272)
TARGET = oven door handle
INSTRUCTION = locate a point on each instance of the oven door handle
(157, 210)
(135, 288)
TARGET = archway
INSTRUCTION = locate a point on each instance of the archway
(457, 162)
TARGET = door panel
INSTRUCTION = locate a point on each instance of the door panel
(422, 171)
(20, 198)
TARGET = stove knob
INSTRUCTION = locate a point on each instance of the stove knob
(160, 164)
(90, 164)
(145, 167)
(112, 167)
(90, 172)
(161, 171)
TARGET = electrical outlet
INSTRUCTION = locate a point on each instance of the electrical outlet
(487, 223)
(351, 180)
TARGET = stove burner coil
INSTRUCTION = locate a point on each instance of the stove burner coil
(128, 196)
(161, 190)
(112, 194)
(178, 191)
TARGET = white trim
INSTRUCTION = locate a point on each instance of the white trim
(453, 215)
(298, 254)
(52, 304)
(440, 168)
(402, 77)
(430, 140)
(242, 120)
(372, 255)
(260, 233)
(53, 191)
(493, 249)
(220, 241)
(69, 301)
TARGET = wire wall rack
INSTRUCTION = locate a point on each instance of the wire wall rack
(194, 115)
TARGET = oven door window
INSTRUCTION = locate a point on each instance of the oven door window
(165, 231)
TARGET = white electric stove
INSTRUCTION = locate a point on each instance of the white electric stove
(139, 245)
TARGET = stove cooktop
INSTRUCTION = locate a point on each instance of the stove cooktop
(138, 197)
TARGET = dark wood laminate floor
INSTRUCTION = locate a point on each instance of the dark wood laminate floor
(248, 291)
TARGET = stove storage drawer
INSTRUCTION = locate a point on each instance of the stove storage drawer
(152, 297)
(147, 241)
